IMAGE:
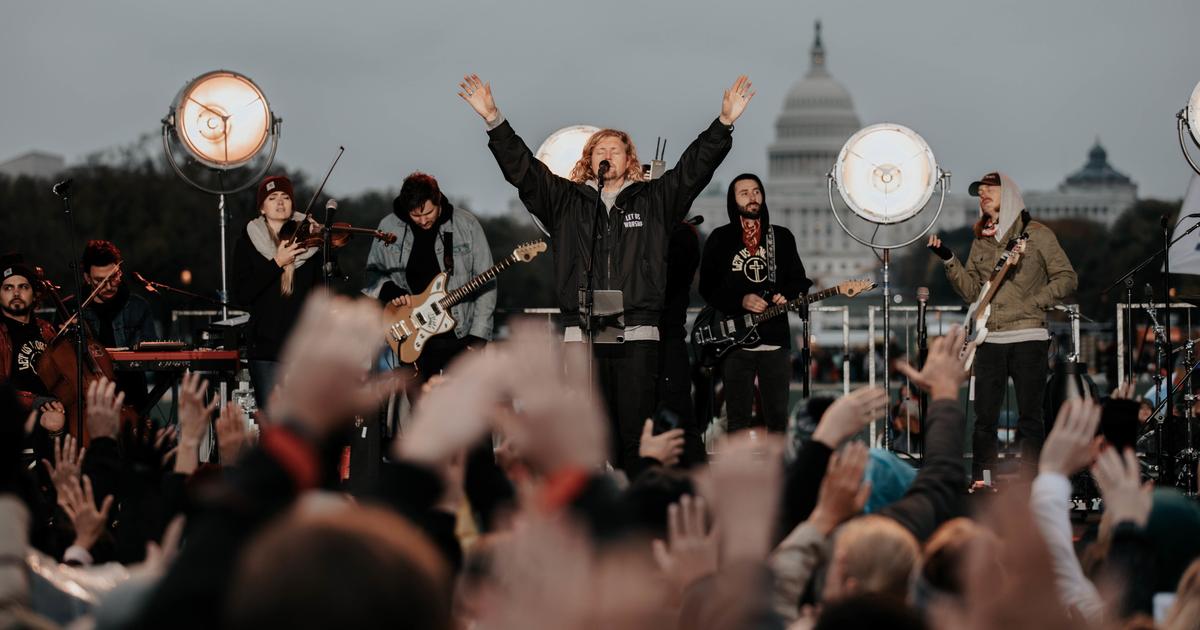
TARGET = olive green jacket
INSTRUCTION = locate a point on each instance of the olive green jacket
(1042, 278)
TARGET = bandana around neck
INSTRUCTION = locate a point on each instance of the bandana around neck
(751, 234)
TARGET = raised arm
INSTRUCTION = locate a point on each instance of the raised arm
(539, 189)
(679, 186)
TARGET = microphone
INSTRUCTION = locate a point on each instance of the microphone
(922, 303)
(62, 189)
(601, 172)
(146, 284)
(331, 205)
(696, 220)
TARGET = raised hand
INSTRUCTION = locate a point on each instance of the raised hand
(665, 447)
(194, 416)
(1069, 447)
(79, 502)
(843, 491)
(478, 95)
(735, 100)
(690, 551)
(453, 414)
(1126, 498)
(54, 416)
(325, 369)
(945, 368)
(849, 414)
(745, 480)
(104, 409)
(232, 436)
(68, 462)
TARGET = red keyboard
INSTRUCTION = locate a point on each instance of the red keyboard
(176, 360)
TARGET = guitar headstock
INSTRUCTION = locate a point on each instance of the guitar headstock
(851, 288)
(526, 252)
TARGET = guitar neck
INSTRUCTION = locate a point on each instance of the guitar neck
(780, 309)
(457, 295)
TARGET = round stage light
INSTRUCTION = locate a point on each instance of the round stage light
(1193, 114)
(562, 149)
(886, 173)
(222, 119)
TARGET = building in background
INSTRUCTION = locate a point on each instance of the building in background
(38, 164)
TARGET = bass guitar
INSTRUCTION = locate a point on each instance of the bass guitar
(428, 313)
(981, 309)
(714, 335)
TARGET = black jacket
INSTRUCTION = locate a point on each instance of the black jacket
(631, 252)
(683, 258)
(728, 272)
(256, 288)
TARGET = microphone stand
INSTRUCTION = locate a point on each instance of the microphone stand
(922, 396)
(1166, 390)
(1168, 420)
(155, 287)
(64, 194)
(587, 295)
(805, 349)
(327, 262)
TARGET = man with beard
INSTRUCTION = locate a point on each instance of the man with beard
(748, 265)
(117, 317)
(1017, 339)
(23, 338)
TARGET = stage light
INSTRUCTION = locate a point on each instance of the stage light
(562, 149)
(1189, 117)
(885, 173)
(222, 119)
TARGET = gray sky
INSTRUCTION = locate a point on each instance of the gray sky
(1023, 86)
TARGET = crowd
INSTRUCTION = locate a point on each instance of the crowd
(538, 533)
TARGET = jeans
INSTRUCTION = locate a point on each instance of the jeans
(628, 377)
(774, 375)
(1027, 364)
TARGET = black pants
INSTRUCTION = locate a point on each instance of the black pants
(628, 377)
(438, 353)
(675, 393)
(1026, 363)
(774, 374)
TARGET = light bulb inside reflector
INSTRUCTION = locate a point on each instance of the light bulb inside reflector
(563, 148)
(222, 119)
(885, 173)
(1193, 114)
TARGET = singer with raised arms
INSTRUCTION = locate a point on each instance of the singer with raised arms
(627, 243)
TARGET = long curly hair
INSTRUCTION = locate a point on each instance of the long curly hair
(583, 168)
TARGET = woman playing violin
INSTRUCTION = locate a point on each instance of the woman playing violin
(272, 279)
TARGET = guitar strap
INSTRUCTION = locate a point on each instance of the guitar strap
(770, 244)
(448, 252)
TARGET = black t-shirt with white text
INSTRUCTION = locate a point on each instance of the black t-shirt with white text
(27, 348)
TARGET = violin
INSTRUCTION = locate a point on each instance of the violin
(311, 234)
(58, 367)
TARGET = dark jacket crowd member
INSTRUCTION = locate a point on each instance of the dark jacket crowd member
(272, 280)
(118, 317)
(1017, 339)
(748, 266)
(629, 250)
(434, 237)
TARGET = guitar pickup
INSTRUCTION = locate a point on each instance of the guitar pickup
(420, 319)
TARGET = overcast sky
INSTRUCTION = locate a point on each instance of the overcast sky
(1022, 86)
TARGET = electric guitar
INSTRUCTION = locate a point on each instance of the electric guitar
(714, 335)
(428, 314)
(981, 309)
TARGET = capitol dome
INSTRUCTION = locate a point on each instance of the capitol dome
(817, 118)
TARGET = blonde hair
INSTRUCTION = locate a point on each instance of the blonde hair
(879, 554)
(287, 280)
(583, 172)
(1185, 612)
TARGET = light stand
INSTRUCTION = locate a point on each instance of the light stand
(222, 120)
(886, 175)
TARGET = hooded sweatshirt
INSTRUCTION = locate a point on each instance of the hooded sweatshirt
(1042, 277)
(729, 270)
